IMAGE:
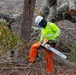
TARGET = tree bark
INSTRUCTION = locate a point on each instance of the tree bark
(26, 20)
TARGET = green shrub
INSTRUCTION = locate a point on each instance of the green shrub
(8, 40)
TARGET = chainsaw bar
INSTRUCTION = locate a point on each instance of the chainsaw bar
(56, 51)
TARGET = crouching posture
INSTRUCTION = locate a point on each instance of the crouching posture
(48, 31)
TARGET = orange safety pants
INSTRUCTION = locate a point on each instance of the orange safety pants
(48, 56)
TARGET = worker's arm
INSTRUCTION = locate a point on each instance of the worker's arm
(57, 31)
(42, 38)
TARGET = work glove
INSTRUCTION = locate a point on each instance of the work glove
(46, 43)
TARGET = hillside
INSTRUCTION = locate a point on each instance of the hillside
(21, 66)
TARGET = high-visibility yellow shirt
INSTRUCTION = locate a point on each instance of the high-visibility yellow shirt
(50, 32)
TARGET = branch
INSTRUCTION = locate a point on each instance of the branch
(63, 7)
(64, 16)
(72, 6)
(10, 18)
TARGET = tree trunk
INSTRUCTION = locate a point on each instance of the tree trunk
(26, 19)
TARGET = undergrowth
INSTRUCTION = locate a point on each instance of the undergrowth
(8, 39)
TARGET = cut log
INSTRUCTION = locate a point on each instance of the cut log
(69, 6)
(72, 7)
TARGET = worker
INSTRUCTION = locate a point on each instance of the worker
(48, 31)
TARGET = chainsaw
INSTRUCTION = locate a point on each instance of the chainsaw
(48, 47)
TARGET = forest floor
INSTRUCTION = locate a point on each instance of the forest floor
(15, 7)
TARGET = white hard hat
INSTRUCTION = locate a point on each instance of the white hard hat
(38, 19)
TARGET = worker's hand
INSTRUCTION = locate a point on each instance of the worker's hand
(45, 42)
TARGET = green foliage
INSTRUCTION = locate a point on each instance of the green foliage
(8, 40)
(74, 53)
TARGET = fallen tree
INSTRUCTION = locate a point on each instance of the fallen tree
(69, 6)
(66, 11)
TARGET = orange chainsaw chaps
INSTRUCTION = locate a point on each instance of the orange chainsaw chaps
(48, 56)
(49, 60)
(34, 51)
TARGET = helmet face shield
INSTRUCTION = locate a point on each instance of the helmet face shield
(42, 24)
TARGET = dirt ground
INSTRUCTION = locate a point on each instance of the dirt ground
(15, 7)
